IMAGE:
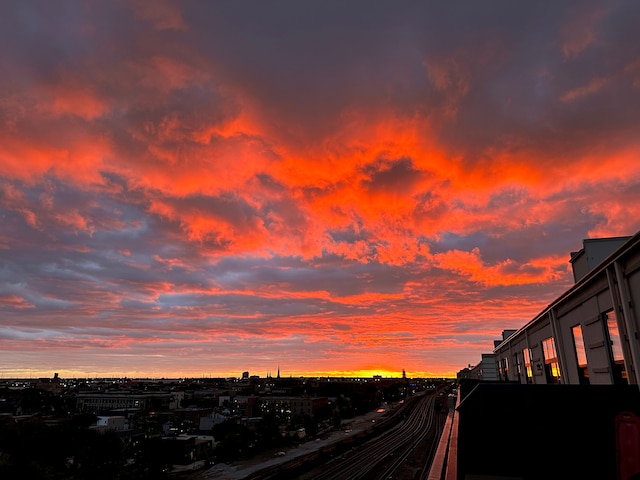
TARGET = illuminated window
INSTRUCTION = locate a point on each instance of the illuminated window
(526, 357)
(615, 348)
(581, 356)
(551, 369)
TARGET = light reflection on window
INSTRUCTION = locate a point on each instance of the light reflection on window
(518, 364)
(581, 356)
(552, 370)
(526, 356)
(504, 369)
(615, 348)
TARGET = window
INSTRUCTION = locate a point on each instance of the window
(504, 369)
(518, 364)
(581, 356)
(551, 369)
(615, 348)
(526, 357)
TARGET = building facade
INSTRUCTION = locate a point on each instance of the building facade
(485, 370)
(590, 334)
(104, 401)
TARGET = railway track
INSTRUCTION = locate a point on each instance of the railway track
(382, 457)
(391, 444)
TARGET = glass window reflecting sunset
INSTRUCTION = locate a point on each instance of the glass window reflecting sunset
(581, 356)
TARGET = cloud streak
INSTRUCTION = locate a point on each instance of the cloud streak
(207, 188)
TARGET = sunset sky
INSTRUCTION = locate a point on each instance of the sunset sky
(199, 188)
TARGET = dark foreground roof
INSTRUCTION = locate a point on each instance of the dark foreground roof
(510, 430)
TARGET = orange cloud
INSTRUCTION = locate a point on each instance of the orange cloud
(15, 301)
(506, 272)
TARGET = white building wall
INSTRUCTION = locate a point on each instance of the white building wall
(489, 370)
(614, 285)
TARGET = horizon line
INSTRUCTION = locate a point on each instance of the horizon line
(219, 377)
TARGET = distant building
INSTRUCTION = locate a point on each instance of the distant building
(307, 405)
(251, 406)
(117, 400)
(115, 423)
(485, 370)
(49, 384)
(207, 422)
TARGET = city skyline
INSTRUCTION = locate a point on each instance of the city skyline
(196, 189)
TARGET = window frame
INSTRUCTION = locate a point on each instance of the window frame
(580, 351)
(550, 360)
(615, 350)
(527, 359)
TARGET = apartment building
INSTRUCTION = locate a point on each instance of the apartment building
(589, 335)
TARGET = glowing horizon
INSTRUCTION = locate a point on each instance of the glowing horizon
(197, 188)
(361, 374)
